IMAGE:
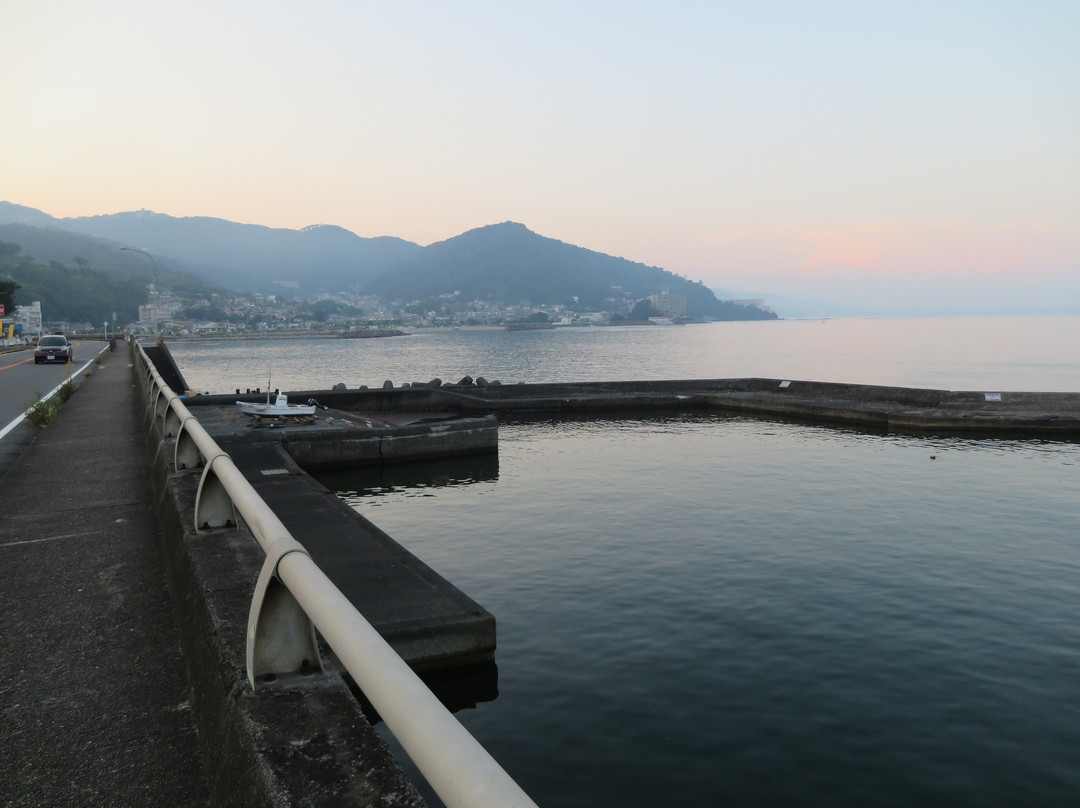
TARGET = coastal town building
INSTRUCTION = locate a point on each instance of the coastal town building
(668, 304)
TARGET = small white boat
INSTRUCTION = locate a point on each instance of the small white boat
(281, 406)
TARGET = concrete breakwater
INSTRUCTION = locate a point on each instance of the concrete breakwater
(890, 409)
(430, 623)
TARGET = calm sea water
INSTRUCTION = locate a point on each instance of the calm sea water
(1019, 353)
(704, 609)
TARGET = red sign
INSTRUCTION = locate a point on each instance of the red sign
(1, 309)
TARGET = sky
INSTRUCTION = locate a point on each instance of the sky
(909, 152)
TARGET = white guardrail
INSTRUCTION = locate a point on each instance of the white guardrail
(293, 597)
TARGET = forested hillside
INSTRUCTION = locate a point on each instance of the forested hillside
(76, 291)
(510, 263)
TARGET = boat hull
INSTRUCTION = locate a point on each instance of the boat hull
(278, 408)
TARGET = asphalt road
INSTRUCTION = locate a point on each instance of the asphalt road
(22, 382)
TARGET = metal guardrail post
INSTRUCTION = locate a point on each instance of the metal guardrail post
(213, 504)
(161, 402)
(170, 426)
(281, 645)
(186, 454)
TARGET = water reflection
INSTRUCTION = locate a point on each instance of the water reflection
(459, 688)
(769, 613)
(410, 479)
(1011, 353)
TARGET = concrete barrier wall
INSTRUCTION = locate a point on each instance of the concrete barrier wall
(322, 450)
(278, 748)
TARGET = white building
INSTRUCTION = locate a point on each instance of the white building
(30, 317)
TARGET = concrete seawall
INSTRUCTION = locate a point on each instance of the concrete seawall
(873, 407)
(308, 746)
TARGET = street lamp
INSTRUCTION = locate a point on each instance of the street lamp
(154, 299)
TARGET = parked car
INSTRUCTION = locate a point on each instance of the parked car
(54, 349)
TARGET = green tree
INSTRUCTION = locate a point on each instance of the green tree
(323, 310)
(8, 253)
(7, 294)
(208, 313)
(643, 310)
(78, 294)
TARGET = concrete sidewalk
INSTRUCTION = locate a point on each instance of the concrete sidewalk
(94, 703)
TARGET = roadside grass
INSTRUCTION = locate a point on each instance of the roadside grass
(42, 411)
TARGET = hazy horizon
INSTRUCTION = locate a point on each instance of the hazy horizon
(920, 153)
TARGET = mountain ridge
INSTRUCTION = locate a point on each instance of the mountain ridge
(504, 261)
(509, 262)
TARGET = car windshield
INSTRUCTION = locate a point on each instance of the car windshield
(52, 342)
